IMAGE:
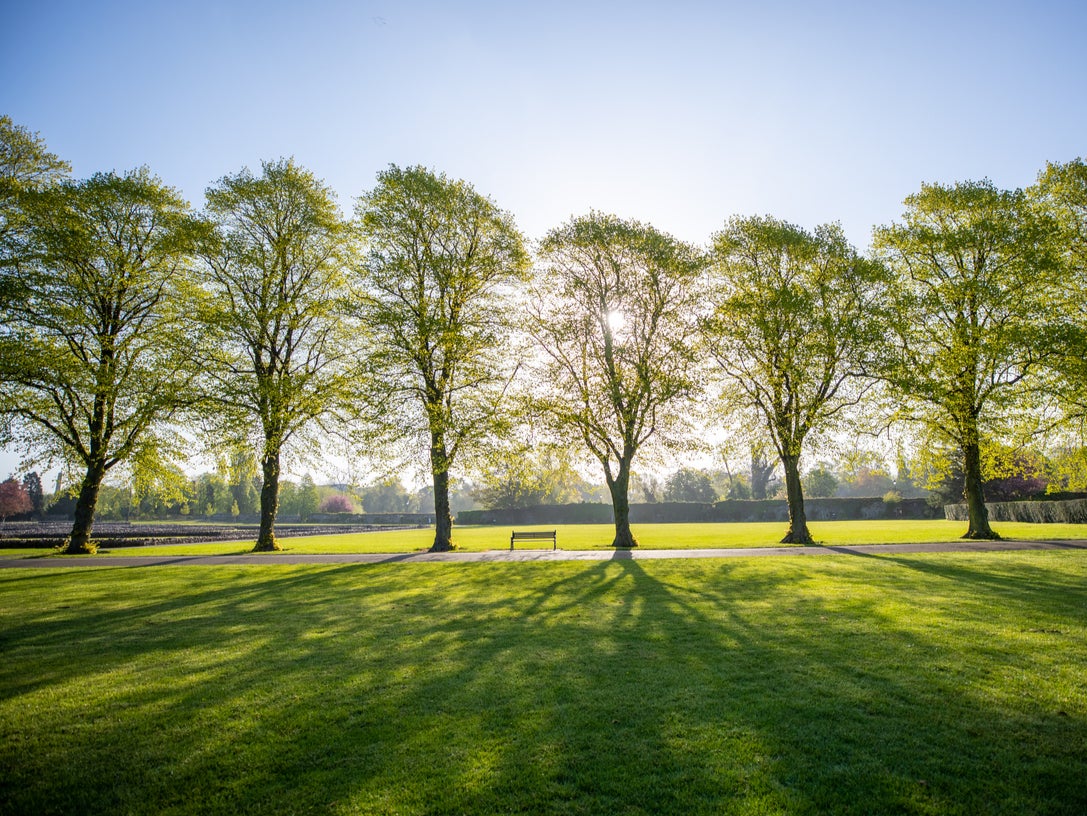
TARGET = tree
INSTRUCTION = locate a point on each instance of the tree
(279, 342)
(387, 496)
(524, 476)
(435, 290)
(32, 484)
(820, 483)
(337, 503)
(614, 316)
(308, 498)
(762, 468)
(689, 485)
(792, 331)
(95, 350)
(14, 500)
(973, 288)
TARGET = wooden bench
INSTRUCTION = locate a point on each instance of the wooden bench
(536, 535)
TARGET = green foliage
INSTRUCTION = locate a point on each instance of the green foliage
(820, 483)
(689, 485)
(528, 477)
(25, 165)
(1061, 194)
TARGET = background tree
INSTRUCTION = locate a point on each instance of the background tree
(762, 469)
(614, 316)
(434, 288)
(32, 484)
(95, 355)
(820, 483)
(308, 498)
(792, 331)
(278, 339)
(14, 500)
(387, 496)
(689, 485)
(338, 503)
(972, 292)
(527, 476)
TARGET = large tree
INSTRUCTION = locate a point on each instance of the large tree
(434, 287)
(792, 331)
(94, 345)
(276, 360)
(973, 289)
(614, 317)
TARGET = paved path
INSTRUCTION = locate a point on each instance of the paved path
(521, 556)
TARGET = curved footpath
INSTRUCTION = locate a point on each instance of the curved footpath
(506, 556)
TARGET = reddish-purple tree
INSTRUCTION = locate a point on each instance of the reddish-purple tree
(337, 504)
(14, 499)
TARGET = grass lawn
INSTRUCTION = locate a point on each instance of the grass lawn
(913, 684)
(650, 536)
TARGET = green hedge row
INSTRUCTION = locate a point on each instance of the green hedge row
(1040, 512)
(691, 512)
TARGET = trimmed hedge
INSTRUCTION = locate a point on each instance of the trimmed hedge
(693, 512)
(1039, 512)
(422, 519)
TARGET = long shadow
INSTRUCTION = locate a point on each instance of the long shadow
(601, 687)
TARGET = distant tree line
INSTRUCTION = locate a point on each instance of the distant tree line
(137, 332)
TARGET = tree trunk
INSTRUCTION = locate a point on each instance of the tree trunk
(794, 493)
(269, 503)
(79, 542)
(760, 475)
(443, 521)
(975, 496)
(620, 504)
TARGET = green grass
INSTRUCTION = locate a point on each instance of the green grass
(920, 684)
(650, 536)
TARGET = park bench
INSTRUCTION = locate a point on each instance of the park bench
(535, 535)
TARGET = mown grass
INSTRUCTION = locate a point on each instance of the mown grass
(922, 684)
(650, 536)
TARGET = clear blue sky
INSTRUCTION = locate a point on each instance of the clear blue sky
(680, 114)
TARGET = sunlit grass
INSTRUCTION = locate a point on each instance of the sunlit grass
(927, 684)
(650, 536)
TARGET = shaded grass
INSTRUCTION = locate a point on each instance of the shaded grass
(928, 684)
(650, 536)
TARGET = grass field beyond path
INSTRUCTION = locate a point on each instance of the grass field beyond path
(650, 536)
(927, 684)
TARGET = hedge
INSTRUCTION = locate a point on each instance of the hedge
(1040, 512)
(690, 512)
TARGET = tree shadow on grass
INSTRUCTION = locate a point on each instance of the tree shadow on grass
(677, 687)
